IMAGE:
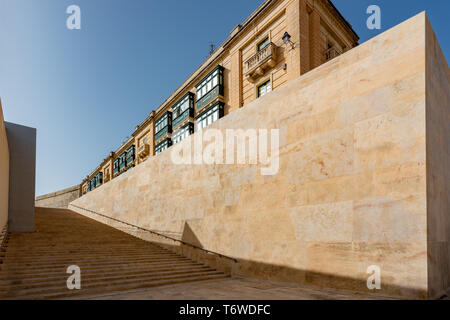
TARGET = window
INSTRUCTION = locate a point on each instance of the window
(265, 88)
(209, 116)
(130, 155)
(93, 183)
(180, 107)
(99, 179)
(122, 160)
(210, 82)
(163, 146)
(183, 109)
(116, 166)
(183, 133)
(263, 44)
(163, 125)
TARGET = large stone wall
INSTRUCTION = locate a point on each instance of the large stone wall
(22, 177)
(58, 199)
(351, 191)
(4, 172)
(438, 165)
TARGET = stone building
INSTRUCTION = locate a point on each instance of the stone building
(280, 41)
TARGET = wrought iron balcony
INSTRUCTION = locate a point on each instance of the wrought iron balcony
(332, 53)
(264, 59)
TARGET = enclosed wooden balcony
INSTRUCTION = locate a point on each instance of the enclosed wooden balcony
(257, 65)
(210, 89)
(183, 111)
(163, 127)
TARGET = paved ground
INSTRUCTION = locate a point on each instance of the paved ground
(234, 289)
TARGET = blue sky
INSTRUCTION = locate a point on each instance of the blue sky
(85, 90)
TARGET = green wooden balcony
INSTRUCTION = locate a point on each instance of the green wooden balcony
(161, 133)
(188, 113)
(210, 87)
(210, 96)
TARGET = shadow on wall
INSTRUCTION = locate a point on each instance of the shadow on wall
(189, 236)
(306, 278)
(279, 273)
(263, 271)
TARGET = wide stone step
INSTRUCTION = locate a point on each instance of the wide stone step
(110, 286)
(74, 256)
(72, 245)
(34, 264)
(49, 252)
(91, 281)
(104, 273)
(8, 267)
(18, 274)
(83, 258)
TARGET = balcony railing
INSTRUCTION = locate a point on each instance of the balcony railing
(143, 150)
(259, 62)
(332, 53)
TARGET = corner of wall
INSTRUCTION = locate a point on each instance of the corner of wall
(4, 172)
(438, 165)
(22, 177)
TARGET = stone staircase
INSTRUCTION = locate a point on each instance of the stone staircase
(33, 266)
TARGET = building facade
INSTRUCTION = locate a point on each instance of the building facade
(279, 42)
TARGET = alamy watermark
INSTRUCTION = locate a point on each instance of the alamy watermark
(74, 280)
(374, 281)
(374, 20)
(237, 146)
(73, 22)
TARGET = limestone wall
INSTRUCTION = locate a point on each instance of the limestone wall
(22, 177)
(58, 199)
(4, 172)
(351, 191)
(438, 166)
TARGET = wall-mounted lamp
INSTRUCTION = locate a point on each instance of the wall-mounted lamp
(287, 40)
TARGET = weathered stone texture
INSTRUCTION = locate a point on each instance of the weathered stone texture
(59, 199)
(351, 191)
(438, 166)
